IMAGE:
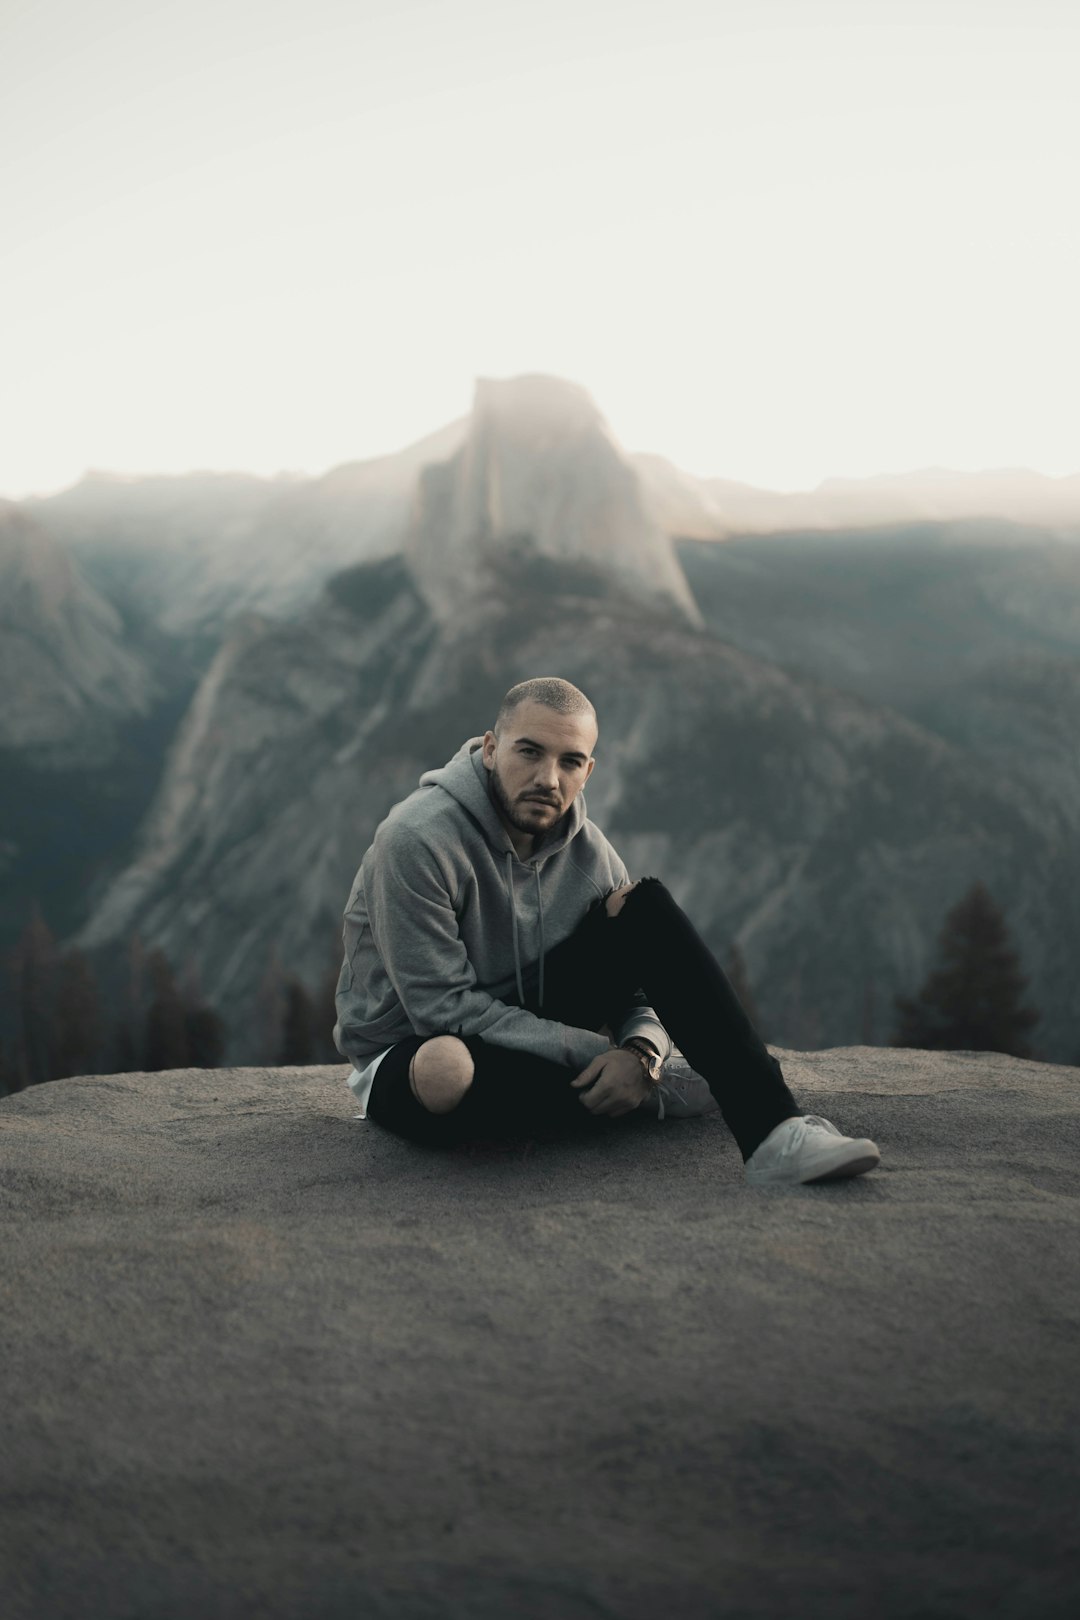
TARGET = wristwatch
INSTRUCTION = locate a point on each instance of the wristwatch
(650, 1060)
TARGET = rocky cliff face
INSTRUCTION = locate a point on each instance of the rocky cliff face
(190, 553)
(66, 676)
(537, 487)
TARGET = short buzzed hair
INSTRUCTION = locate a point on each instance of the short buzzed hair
(549, 690)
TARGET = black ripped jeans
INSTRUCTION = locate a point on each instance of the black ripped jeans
(590, 980)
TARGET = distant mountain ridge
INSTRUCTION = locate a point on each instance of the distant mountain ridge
(715, 508)
(193, 550)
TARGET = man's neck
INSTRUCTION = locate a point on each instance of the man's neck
(524, 843)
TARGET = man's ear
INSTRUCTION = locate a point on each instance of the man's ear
(487, 753)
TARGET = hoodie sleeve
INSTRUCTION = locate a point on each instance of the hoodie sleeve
(415, 931)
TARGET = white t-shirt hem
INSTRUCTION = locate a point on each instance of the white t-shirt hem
(360, 1082)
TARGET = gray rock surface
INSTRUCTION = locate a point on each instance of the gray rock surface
(265, 1359)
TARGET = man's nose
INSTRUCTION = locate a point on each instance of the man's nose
(547, 775)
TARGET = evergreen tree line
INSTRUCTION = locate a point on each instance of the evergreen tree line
(972, 999)
(66, 1022)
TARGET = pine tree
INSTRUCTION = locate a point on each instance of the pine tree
(33, 966)
(270, 1012)
(205, 1036)
(128, 1029)
(204, 1027)
(324, 1015)
(971, 1001)
(165, 1039)
(78, 1023)
(296, 1025)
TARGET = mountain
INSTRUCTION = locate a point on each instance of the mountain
(897, 612)
(941, 494)
(818, 739)
(188, 553)
(824, 834)
(533, 465)
(532, 473)
(537, 486)
(88, 710)
(67, 677)
(694, 508)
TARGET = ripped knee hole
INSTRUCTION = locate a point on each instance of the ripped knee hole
(616, 899)
(440, 1073)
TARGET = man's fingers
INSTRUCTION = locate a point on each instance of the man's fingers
(588, 1075)
(600, 1099)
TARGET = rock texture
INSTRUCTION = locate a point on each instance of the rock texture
(539, 486)
(66, 677)
(263, 1358)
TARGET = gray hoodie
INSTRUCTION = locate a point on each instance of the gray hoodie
(446, 926)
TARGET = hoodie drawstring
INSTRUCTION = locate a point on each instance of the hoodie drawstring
(540, 910)
(514, 927)
(513, 921)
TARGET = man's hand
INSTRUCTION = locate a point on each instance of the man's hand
(613, 1083)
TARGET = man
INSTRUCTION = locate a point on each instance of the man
(494, 941)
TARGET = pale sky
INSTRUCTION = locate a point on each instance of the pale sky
(776, 240)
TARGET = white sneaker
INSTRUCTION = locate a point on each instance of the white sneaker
(808, 1148)
(681, 1094)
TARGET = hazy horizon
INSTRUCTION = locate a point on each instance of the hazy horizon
(303, 474)
(778, 241)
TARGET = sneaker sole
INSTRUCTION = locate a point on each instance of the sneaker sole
(857, 1165)
(854, 1167)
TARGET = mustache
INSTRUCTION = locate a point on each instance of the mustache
(536, 798)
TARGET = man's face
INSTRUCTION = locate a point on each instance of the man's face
(539, 764)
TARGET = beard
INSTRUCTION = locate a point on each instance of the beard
(520, 818)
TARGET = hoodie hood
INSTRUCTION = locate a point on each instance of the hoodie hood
(466, 779)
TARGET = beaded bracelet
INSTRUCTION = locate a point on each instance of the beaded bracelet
(650, 1060)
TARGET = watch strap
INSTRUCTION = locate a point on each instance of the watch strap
(650, 1060)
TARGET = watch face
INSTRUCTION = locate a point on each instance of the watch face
(650, 1061)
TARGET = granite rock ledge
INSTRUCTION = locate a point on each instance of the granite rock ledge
(263, 1358)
